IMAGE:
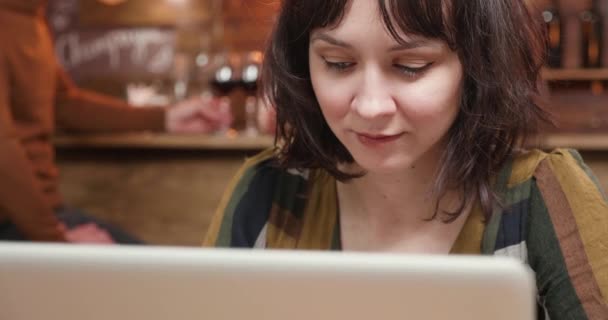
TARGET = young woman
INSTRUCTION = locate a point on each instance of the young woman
(401, 128)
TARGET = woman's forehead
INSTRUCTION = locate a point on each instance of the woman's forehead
(403, 22)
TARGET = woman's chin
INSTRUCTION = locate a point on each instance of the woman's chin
(382, 164)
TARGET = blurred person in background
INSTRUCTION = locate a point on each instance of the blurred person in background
(36, 96)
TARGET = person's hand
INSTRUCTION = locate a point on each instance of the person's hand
(198, 115)
(87, 233)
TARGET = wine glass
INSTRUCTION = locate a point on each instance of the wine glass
(225, 78)
(250, 76)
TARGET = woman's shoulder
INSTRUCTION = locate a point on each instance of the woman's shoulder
(539, 191)
(560, 172)
(263, 172)
(558, 181)
(269, 159)
(260, 186)
(527, 164)
(565, 231)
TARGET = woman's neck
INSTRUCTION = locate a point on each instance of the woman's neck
(406, 192)
(391, 211)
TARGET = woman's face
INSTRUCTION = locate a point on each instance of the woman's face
(391, 105)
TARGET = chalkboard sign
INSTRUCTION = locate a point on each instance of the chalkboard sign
(122, 52)
(134, 51)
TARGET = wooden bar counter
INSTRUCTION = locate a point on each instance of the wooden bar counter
(162, 188)
(165, 188)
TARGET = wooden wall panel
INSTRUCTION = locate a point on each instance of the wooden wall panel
(138, 13)
(248, 23)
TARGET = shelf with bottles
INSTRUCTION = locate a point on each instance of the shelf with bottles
(577, 45)
(579, 141)
(588, 83)
(578, 74)
(594, 80)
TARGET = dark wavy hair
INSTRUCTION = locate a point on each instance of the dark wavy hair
(501, 48)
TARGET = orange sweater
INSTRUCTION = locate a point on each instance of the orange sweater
(36, 96)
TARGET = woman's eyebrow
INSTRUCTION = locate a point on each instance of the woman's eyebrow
(408, 45)
(330, 40)
(405, 45)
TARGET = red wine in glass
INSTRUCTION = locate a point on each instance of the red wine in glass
(224, 80)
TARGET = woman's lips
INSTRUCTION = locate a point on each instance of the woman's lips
(376, 139)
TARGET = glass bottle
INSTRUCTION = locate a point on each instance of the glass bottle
(552, 21)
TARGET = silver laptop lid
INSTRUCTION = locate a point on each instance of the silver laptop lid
(76, 282)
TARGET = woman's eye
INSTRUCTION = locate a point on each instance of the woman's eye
(411, 71)
(338, 65)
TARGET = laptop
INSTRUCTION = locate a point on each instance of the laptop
(87, 282)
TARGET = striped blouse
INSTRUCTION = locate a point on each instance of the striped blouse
(554, 217)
